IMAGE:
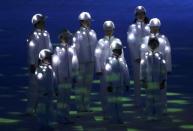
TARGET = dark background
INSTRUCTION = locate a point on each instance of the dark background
(15, 26)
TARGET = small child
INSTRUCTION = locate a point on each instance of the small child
(117, 81)
(65, 63)
(47, 89)
(153, 75)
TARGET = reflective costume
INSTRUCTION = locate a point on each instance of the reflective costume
(117, 81)
(47, 89)
(65, 64)
(102, 53)
(153, 73)
(135, 35)
(164, 48)
(38, 40)
(85, 41)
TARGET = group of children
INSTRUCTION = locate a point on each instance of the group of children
(53, 72)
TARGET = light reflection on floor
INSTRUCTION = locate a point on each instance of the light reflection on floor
(133, 119)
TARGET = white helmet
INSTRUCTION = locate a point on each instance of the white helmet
(108, 25)
(116, 44)
(36, 18)
(45, 53)
(154, 22)
(84, 16)
(140, 9)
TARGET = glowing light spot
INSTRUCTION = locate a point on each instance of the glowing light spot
(31, 44)
(35, 33)
(131, 36)
(147, 28)
(39, 76)
(91, 33)
(84, 33)
(156, 54)
(50, 67)
(57, 48)
(55, 60)
(106, 41)
(167, 49)
(143, 46)
(74, 60)
(161, 40)
(63, 49)
(164, 61)
(138, 26)
(98, 52)
(108, 67)
(74, 39)
(142, 61)
(45, 34)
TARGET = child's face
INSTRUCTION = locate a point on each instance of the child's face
(47, 60)
(140, 16)
(40, 24)
(86, 23)
(109, 32)
(63, 39)
(154, 30)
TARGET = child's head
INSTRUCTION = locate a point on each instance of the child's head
(45, 56)
(117, 48)
(65, 36)
(108, 28)
(85, 19)
(38, 20)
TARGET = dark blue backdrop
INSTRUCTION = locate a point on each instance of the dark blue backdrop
(15, 25)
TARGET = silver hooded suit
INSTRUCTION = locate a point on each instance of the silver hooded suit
(135, 35)
(85, 41)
